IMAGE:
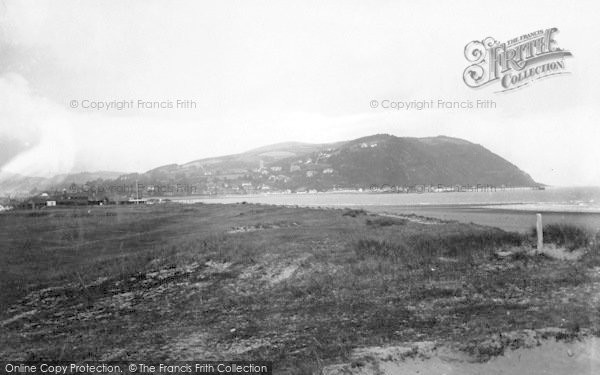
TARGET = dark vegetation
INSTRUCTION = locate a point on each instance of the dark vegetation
(570, 236)
(354, 213)
(385, 222)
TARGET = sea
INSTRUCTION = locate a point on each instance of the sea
(511, 209)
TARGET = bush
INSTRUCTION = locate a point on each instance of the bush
(466, 243)
(423, 248)
(385, 222)
(354, 213)
(570, 236)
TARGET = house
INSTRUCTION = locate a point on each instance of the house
(34, 203)
(73, 199)
(99, 201)
(280, 177)
(78, 199)
(136, 201)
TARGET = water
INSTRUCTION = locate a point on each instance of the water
(508, 209)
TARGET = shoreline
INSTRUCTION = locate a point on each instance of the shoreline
(553, 200)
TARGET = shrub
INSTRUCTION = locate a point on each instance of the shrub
(385, 222)
(570, 236)
(422, 249)
(354, 213)
(466, 243)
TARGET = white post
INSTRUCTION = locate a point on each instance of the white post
(540, 233)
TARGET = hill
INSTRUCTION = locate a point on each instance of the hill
(361, 163)
(374, 160)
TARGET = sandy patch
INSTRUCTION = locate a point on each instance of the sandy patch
(549, 250)
(276, 273)
(414, 219)
(553, 251)
(549, 357)
(218, 266)
(273, 272)
(257, 227)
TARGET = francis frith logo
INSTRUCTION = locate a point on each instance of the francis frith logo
(514, 63)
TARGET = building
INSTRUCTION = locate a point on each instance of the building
(73, 199)
(34, 203)
(135, 201)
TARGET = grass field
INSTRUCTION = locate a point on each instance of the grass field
(297, 286)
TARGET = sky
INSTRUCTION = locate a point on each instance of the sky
(264, 72)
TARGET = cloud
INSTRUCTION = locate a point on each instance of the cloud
(36, 123)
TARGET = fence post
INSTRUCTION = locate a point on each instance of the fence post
(540, 233)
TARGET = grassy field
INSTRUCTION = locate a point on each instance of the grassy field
(301, 287)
